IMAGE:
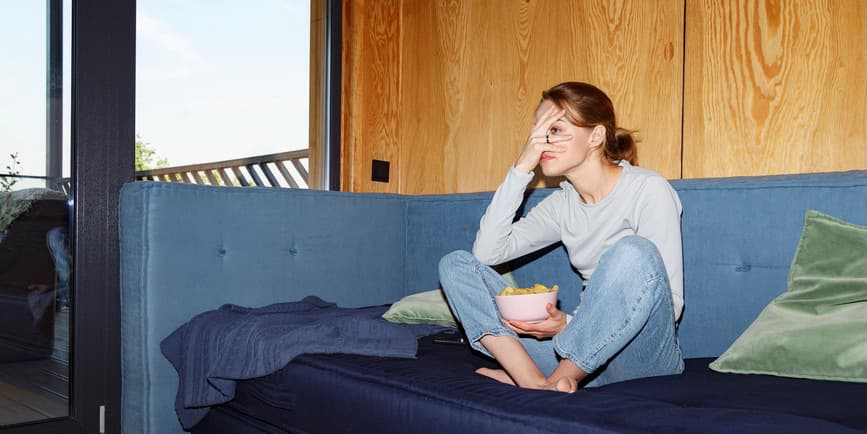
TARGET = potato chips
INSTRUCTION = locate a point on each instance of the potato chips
(536, 289)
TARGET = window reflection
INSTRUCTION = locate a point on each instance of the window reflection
(35, 259)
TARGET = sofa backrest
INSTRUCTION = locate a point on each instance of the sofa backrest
(439, 224)
(739, 238)
(186, 249)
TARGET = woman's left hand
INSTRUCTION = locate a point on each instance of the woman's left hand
(555, 323)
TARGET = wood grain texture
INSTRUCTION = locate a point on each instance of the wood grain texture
(774, 86)
(317, 92)
(453, 113)
(371, 92)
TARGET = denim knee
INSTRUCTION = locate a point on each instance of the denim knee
(632, 245)
(633, 252)
(456, 266)
(455, 259)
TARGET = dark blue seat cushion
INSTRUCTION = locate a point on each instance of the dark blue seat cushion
(439, 392)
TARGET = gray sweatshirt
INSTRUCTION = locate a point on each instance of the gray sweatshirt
(642, 203)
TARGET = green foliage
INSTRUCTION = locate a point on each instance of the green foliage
(145, 156)
(13, 169)
(10, 206)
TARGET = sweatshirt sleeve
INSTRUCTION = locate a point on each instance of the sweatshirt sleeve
(659, 221)
(500, 238)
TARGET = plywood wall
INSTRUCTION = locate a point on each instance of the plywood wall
(774, 87)
(316, 131)
(371, 92)
(445, 90)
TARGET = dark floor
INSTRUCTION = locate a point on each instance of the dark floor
(37, 389)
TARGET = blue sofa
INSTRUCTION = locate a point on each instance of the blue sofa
(186, 249)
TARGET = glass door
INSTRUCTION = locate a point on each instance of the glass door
(66, 135)
(223, 92)
(35, 219)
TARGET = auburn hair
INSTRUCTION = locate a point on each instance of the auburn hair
(587, 106)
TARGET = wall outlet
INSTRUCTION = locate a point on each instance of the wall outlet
(379, 171)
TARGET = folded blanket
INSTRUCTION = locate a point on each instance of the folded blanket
(216, 348)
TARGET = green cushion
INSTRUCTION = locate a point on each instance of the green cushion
(429, 307)
(818, 328)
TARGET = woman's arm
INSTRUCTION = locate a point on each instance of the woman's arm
(500, 238)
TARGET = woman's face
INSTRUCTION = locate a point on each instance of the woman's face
(576, 150)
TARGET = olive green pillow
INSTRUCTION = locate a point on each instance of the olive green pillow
(818, 328)
(429, 307)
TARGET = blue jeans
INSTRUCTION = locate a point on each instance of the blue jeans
(624, 328)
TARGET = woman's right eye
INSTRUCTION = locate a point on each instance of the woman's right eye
(554, 130)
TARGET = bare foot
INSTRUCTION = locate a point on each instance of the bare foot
(565, 384)
(497, 374)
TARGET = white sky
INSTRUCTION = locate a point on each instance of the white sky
(215, 79)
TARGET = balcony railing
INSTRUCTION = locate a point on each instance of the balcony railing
(285, 169)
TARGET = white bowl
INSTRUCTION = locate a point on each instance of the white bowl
(526, 307)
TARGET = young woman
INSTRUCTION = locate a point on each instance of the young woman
(620, 225)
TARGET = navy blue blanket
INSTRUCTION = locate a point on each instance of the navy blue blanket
(216, 348)
(439, 392)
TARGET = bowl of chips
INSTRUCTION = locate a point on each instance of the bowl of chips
(526, 304)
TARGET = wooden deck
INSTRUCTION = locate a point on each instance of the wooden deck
(37, 389)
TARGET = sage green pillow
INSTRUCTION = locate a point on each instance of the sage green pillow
(818, 328)
(429, 307)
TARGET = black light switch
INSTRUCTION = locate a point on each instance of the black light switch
(379, 171)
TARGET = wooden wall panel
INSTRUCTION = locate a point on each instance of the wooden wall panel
(317, 92)
(370, 92)
(774, 86)
(634, 51)
(464, 119)
(470, 74)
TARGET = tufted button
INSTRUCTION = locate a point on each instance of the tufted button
(293, 251)
(221, 251)
(743, 268)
